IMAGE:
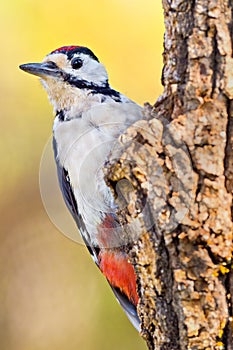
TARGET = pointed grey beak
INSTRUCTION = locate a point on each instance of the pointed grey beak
(42, 69)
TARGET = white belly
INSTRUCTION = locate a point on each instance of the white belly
(83, 146)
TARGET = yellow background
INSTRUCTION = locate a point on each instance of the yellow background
(51, 295)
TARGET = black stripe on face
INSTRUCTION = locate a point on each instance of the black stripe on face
(61, 115)
(94, 88)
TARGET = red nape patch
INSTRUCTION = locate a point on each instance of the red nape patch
(64, 49)
(119, 272)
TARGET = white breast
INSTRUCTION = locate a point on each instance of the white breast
(83, 146)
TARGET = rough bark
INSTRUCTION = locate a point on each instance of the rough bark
(179, 163)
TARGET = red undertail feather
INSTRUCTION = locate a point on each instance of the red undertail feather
(119, 272)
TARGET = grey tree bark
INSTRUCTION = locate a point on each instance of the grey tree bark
(179, 164)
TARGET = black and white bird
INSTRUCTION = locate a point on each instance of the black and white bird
(90, 116)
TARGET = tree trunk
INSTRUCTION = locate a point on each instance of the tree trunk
(179, 164)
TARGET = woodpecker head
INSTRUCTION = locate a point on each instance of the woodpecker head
(68, 72)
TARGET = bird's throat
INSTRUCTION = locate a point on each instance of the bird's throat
(62, 96)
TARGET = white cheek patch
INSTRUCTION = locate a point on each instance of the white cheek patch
(92, 70)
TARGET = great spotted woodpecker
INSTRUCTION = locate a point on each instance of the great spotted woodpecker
(90, 116)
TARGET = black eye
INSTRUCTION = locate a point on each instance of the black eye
(76, 63)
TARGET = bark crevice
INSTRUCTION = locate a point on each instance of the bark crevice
(180, 207)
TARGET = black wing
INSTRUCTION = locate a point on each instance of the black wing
(69, 198)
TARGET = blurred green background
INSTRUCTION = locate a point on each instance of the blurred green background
(52, 296)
